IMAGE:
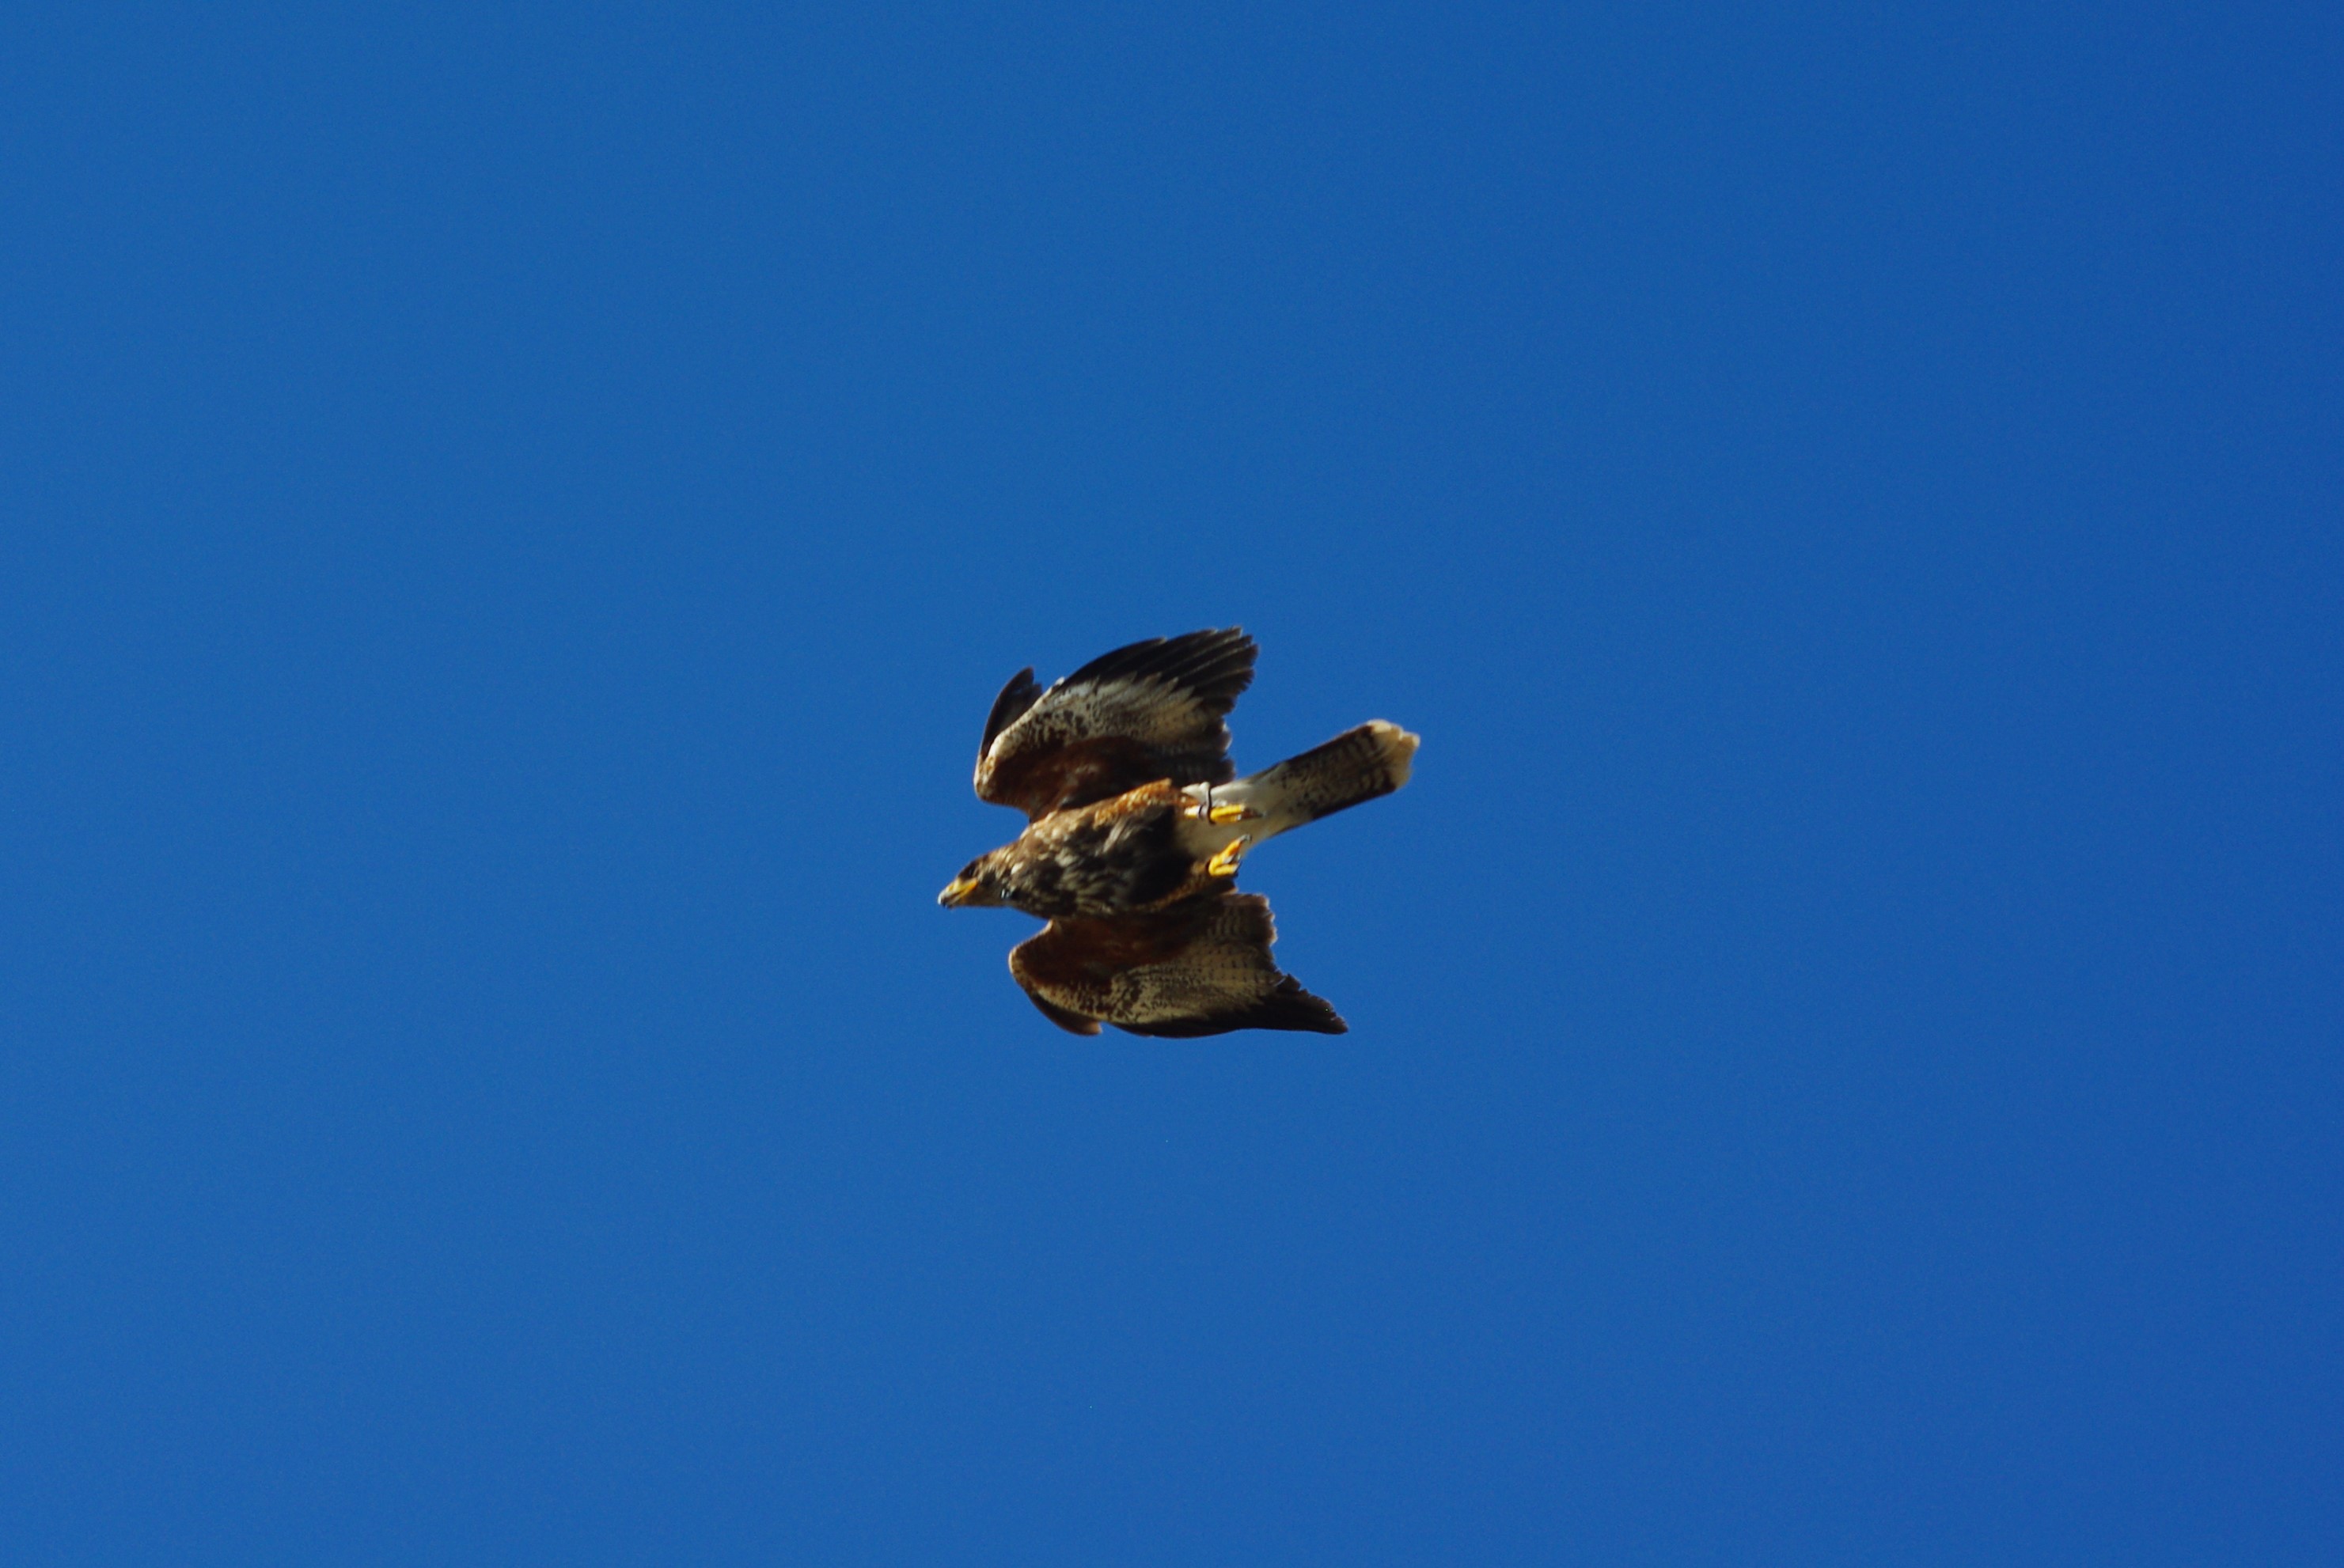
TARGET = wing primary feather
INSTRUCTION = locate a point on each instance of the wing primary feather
(1213, 666)
(1290, 1007)
(1016, 697)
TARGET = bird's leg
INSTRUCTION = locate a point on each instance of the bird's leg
(1220, 816)
(1225, 864)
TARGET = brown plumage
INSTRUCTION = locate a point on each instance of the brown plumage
(1152, 710)
(1135, 825)
(1198, 967)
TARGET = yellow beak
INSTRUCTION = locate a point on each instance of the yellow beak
(960, 888)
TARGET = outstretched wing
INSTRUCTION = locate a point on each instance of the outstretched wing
(1198, 968)
(1152, 710)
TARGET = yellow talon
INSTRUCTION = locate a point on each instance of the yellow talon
(1222, 815)
(1225, 864)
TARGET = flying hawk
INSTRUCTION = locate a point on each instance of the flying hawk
(1136, 823)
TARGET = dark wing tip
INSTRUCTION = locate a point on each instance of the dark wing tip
(1016, 697)
(1215, 665)
(1289, 1008)
(1072, 1022)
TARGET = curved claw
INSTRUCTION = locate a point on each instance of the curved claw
(1225, 864)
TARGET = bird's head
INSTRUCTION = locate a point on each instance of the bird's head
(981, 884)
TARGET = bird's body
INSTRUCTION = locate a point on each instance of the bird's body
(1135, 828)
(1122, 854)
(1155, 844)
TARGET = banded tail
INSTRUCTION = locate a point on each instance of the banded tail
(1356, 766)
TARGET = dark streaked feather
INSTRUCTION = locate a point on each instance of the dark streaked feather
(1358, 764)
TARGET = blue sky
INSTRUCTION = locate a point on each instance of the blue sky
(514, 515)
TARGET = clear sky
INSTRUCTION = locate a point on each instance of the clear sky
(511, 516)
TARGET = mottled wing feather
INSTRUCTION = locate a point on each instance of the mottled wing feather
(1224, 978)
(1198, 968)
(1152, 710)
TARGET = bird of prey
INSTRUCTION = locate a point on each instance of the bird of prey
(1136, 824)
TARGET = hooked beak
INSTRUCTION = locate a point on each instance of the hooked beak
(957, 892)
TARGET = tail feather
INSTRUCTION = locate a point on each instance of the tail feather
(1356, 766)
